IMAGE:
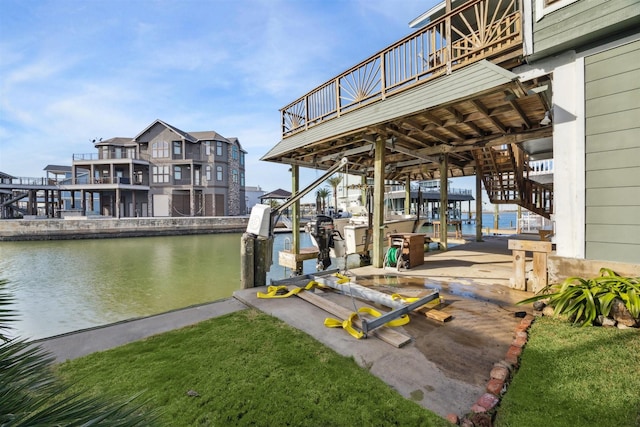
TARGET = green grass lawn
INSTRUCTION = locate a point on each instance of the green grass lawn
(247, 368)
(571, 376)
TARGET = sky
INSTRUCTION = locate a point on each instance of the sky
(72, 71)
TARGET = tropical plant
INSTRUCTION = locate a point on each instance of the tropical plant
(31, 395)
(322, 194)
(334, 181)
(583, 300)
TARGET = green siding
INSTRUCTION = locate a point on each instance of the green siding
(616, 140)
(612, 196)
(617, 102)
(612, 165)
(583, 22)
(629, 158)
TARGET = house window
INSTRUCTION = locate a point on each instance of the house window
(219, 173)
(177, 148)
(241, 159)
(234, 176)
(208, 173)
(207, 148)
(160, 149)
(234, 153)
(218, 148)
(160, 174)
(242, 179)
(177, 173)
(544, 7)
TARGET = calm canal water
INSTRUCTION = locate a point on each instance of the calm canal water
(63, 286)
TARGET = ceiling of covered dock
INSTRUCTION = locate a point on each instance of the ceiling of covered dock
(476, 106)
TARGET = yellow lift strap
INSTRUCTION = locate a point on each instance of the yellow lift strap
(284, 292)
(347, 324)
(409, 300)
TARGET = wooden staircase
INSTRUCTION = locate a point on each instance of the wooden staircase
(505, 174)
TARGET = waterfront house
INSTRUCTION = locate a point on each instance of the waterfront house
(252, 196)
(162, 172)
(538, 99)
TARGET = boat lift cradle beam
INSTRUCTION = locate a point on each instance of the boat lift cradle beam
(398, 307)
(299, 195)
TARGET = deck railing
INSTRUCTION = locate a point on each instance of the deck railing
(478, 29)
(106, 155)
(27, 181)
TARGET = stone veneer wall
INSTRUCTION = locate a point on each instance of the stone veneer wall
(234, 187)
(90, 228)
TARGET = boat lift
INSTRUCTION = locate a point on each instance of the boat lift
(332, 279)
(257, 242)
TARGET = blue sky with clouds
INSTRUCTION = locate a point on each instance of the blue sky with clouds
(75, 70)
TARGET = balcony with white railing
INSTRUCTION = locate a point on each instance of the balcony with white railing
(476, 30)
(540, 167)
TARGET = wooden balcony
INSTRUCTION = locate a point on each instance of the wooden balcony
(476, 30)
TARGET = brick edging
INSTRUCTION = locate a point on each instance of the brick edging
(499, 376)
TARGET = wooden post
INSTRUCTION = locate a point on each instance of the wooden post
(263, 253)
(478, 207)
(407, 195)
(540, 277)
(247, 261)
(118, 196)
(378, 203)
(295, 216)
(519, 273)
(444, 200)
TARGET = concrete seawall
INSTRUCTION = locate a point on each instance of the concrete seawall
(92, 228)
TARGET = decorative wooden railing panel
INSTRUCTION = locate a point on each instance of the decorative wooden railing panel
(479, 29)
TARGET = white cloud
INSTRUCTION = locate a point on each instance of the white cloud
(75, 71)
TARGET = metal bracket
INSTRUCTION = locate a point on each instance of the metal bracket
(370, 325)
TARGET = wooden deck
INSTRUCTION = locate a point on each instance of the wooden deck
(476, 30)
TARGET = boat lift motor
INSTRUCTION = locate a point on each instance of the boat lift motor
(323, 230)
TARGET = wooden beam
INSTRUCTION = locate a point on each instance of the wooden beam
(483, 110)
(521, 113)
(384, 333)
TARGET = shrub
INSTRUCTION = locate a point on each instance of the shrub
(583, 300)
(30, 395)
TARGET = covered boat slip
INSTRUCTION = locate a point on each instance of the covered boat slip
(402, 115)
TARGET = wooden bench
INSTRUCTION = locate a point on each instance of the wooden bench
(540, 251)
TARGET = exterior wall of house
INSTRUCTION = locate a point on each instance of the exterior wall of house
(587, 53)
(612, 92)
(220, 179)
(571, 24)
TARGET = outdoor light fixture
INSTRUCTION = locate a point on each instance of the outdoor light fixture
(546, 120)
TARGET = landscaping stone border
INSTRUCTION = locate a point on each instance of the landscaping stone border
(499, 377)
